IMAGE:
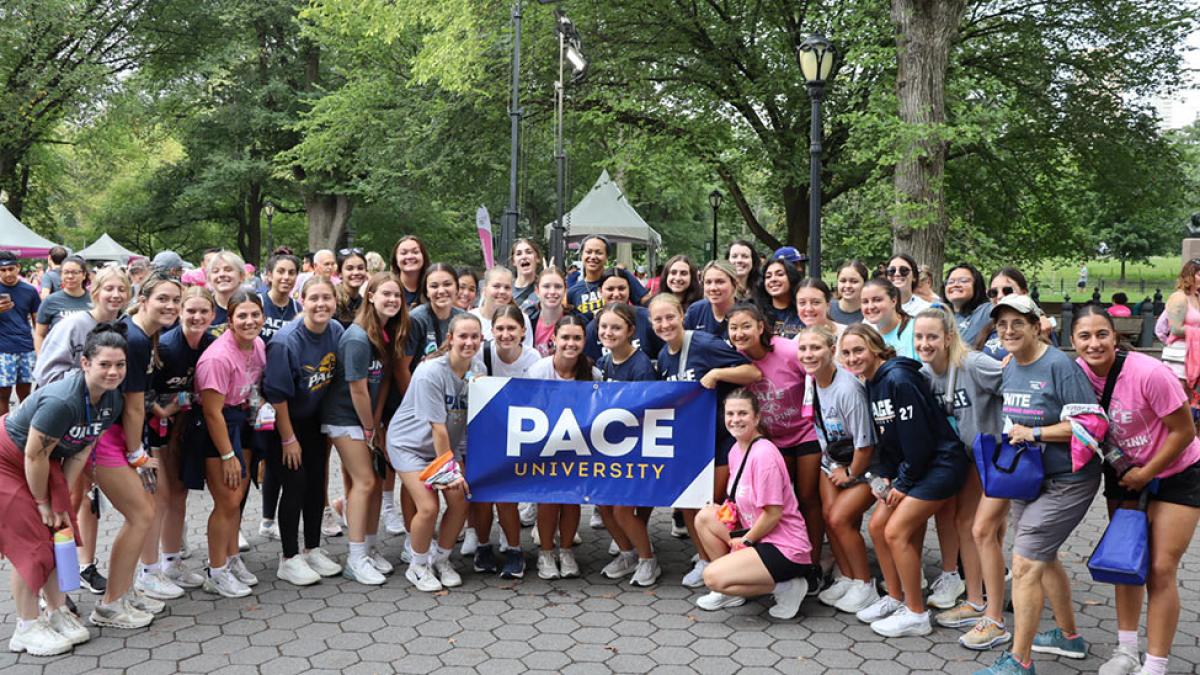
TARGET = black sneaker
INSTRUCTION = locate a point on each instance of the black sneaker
(678, 527)
(91, 579)
(485, 559)
(815, 581)
(514, 564)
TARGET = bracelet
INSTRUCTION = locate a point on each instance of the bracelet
(228, 456)
(288, 441)
(41, 502)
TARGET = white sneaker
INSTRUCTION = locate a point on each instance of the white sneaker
(547, 565)
(120, 614)
(243, 545)
(576, 541)
(714, 601)
(237, 567)
(535, 536)
(268, 529)
(596, 522)
(470, 543)
(622, 565)
(946, 590)
(330, 527)
(321, 563)
(1124, 661)
(295, 570)
(393, 521)
(66, 624)
(423, 578)
(179, 574)
(788, 596)
(379, 562)
(695, 578)
(225, 584)
(155, 584)
(861, 595)
(39, 639)
(613, 548)
(567, 565)
(831, 595)
(647, 573)
(406, 553)
(527, 513)
(880, 609)
(362, 571)
(449, 576)
(903, 623)
(139, 600)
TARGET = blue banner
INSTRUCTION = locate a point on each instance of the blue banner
(612, 443)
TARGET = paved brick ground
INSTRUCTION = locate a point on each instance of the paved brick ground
(588, 625)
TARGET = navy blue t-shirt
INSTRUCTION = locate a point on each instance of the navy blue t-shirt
(139, 361)
(700, 317)
(637, 368)
(16, 331)
(220, 321)
(300, 367)
(643, 335)
(179, 360)
(783, 322)
(705, 353)
(411, 298)
(585, 296)
(275, 317)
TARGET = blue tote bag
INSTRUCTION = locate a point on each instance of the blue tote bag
(1123, 554)
(1009, 471)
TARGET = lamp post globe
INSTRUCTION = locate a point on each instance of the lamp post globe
(817, 57)
(269, 210)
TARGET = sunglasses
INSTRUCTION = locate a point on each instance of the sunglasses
(899, 271)
(350, 251)
(997, 292)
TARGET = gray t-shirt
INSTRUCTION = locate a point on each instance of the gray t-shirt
(845, 411)
(846, 318)
(976, 401)
(63, 410)
(60, 305)
(970, 325)
(356, 360)
(435, 396)
(1034, 396)
(62, 347)
(52, 280)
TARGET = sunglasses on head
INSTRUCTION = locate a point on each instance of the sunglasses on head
(899, 271)
(350, 251)
(1004, 290)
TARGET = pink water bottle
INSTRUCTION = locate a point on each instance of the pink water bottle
(66, 560)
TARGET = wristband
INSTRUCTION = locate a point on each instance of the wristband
(228, 456)
(41, 502)
(138, 457)
(288, 441)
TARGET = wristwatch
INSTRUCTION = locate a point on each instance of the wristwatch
(1037, 434)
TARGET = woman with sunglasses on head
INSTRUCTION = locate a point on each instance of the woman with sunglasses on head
(614, 288)
(1010, 281)
(776, 297)
(352, 273)
(526, 261)
(746, 264)
(410, 261)
(679, 277)
(1037, 383)
(882, 311)
(72, 298)
(224, 274)
(711, 314)
(1152, 427)
(967, 294)
(851, 277)
(902, 272)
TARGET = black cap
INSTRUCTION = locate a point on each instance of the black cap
(8, 258)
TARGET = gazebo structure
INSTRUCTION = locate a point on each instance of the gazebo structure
(605, 210)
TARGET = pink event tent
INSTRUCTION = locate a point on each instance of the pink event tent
(15, 237)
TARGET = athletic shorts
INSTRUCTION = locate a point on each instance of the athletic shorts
(353, 432)
(781, 568)
(801, 450)
(1042, 526)
(16, 368)
(110, 448)
(1182, 488)
(404, 460)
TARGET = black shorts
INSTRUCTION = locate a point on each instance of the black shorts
(781, 568)
(801, 450)
(1183, 488)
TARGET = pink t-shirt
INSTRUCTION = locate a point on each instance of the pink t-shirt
(1146, 390)
(765, 483)
(225, 369)
(543, 338)
(786, 414)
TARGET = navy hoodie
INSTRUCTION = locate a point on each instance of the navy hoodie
(917, 447)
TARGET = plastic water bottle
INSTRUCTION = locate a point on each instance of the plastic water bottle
(1118, 460)
(66, 560)
(879, 485)
(185, 401)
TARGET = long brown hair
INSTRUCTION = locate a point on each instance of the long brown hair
(381, 335)
(874, 340)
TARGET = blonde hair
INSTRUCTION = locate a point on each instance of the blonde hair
(956, 349)
(873, 339)
(229, 258)
(107, 273)
(669, 299)
(822, 331)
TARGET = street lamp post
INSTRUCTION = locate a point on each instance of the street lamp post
(569, 49)
(714, 200)
(269, 210)
(817, 56)
(508, 224)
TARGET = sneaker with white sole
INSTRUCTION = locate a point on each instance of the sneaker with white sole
(406, 552)
(331, 525)
(880, 609)
(788, 596)
(362, 571)
(547, 565)
(268, 529)
(155, 584)
(596, 522)
(527, 513)
(295, 571)
(712, 601)
(39, 639)
(470, 543)
(903, 623)
(140, 600)
(92, 581)
(622, 565)
(1055, 641)
(237, 567)
(613, 547)
(862, 594)
(959, 616)
(243, 545)
(514, 564)
(678, 526)
(647, 573)
(946, 590)
(695, 578)
(321, 563)
(393, 521)
(831, 595)
(65, 623)
(567, 566)
(120, 614)
(379, 562)
(986, 633)
(225, 584)
(423, 578)
(1124, 661)
(449, 576)
(179, 574)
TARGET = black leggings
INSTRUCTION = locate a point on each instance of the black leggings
(303, 488)
(270, 491)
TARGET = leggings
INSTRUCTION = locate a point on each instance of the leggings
(270, 491)
(303, 489)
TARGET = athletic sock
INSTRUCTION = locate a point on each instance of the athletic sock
(214, 571)
(420, 558)
(439, 553)
(358, 551)
(149, 569)
(389, 502)
(1128, 639)
(1155, 665)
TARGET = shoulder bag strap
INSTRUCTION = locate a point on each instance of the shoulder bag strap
(487, 356)
(818, 417)
(683, 353)
(1110, 382)
(738, 478)
(951, 383)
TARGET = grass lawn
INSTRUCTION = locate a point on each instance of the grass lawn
(1141, 280)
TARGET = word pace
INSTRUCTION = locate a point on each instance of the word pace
(613, 433)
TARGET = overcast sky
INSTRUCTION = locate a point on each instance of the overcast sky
(1184, 108)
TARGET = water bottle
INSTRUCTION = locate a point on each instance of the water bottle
(879, 485)
(66, 560)
(1118, 460)
(185, 401)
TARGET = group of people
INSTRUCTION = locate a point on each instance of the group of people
(835, 408)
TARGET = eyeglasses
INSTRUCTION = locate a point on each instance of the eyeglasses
(1016, 324)
(899, 271)
(997, 292)
(959, 281)
(350, 251)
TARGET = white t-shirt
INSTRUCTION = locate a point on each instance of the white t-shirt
(518, 368)
(544, 370)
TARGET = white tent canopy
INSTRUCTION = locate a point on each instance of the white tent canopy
(21, 240)
(604, 210)
(107, 248)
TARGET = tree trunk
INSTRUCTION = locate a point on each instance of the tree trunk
(1122, 270)
(925, 32)
(327, 217)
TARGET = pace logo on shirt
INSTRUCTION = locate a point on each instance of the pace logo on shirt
(959, 401)
(689, 375)
(590, 302)
(884, 411)
(320, 376)
(456, 402)
(271, 326)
